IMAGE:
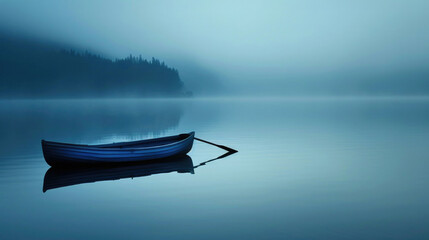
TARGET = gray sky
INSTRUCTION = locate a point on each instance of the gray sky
(243, 43)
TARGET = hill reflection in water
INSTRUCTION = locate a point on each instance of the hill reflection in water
(24, 123)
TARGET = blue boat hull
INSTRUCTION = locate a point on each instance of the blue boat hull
(59, 154)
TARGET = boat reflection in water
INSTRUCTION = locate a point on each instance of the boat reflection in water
(63, 177)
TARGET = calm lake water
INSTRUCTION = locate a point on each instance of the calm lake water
(306, 169)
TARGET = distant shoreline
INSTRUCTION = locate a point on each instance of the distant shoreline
(238, 98)
(31, 69)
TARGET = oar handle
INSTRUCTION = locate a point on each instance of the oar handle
(217, 145)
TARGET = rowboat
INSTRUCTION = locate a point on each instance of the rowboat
(66, 154)
(63, 177)
(58, 177)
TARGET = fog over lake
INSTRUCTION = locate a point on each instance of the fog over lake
(325, 102)
(250, 47)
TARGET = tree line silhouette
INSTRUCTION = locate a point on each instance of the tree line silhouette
(30, 69)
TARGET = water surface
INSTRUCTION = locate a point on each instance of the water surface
(306, 169)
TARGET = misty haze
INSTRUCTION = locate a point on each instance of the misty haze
(214, 119)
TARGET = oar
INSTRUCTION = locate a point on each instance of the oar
(214, 159)
(217, 145)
